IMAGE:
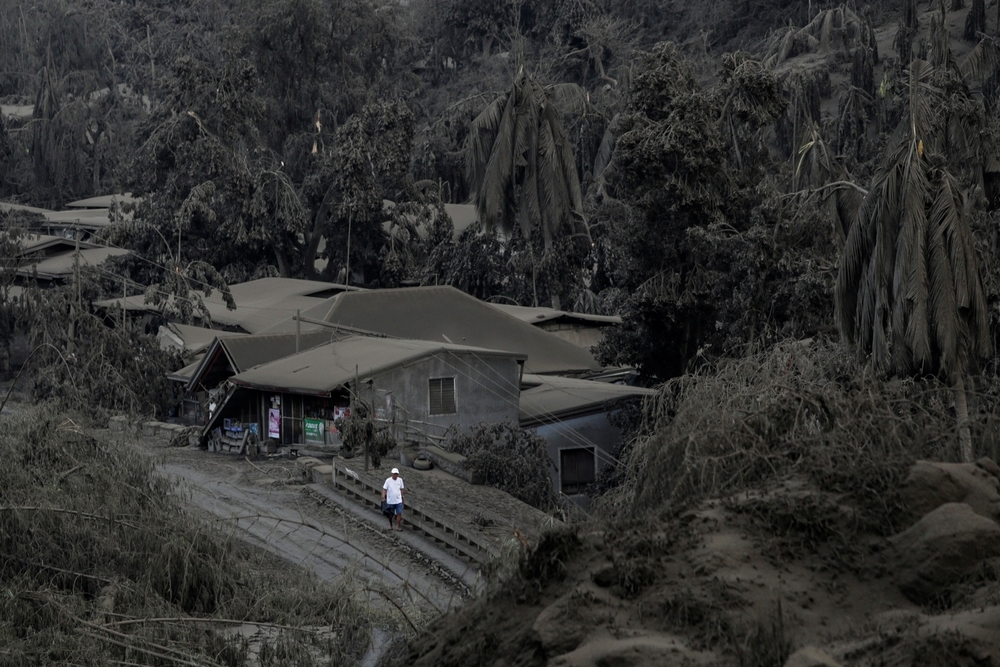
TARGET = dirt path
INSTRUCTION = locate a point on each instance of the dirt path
(269, 505)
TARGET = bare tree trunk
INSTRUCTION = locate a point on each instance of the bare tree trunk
(283, 268)
(312, 241)
(962, 416)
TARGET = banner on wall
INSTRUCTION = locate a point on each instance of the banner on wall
(274, 423)
(313, 429)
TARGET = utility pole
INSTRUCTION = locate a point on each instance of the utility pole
(298, 328)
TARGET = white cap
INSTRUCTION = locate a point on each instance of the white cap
(395, 471)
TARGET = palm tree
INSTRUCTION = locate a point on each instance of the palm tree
(909, 293)
(521, 165)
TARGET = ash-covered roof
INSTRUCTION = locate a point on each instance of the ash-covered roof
(445, 314)
(61, 266)
(546, 399)
(538, 315)
(260, 304)
(102, 201)
(190, 339)
(44, 244)
(325, 368)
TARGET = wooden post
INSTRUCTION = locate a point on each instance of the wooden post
(357, 393)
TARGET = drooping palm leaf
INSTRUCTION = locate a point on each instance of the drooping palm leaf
(909, 292)
(945, 213)
(911, 338)
(983, 60)
(520, 161)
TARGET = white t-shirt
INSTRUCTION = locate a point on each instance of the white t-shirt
(393, 490)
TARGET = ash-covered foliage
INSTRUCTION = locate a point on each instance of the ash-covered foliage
(799, 409)
(510, 459)
(362, 431)
(101, 564)
(98, 365)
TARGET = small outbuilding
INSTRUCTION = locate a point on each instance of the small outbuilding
(575, 417)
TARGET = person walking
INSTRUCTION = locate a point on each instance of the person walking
(392, 496)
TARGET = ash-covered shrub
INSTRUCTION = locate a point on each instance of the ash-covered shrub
(89, 364)
(804, 408)
(100, 563)
(510, 459)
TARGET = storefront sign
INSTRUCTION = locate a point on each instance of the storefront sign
(274, 424)
(313, 430)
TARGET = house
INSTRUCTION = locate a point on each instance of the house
(60, 268)
(260, 304)
(83, 219)
(574, 417)
(230, 353)
(441, 313)
(422, 388)
(581, 329)
(42, 246)
(48, 258)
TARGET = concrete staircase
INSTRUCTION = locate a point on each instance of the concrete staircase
(434, 526)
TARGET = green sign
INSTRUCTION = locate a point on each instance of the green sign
(314, 430)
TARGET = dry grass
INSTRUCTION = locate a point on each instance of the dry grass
(101, 564)
(803, 409)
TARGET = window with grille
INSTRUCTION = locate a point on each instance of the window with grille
(576, 469)
(442, 392)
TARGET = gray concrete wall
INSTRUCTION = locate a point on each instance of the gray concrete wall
(585, 337)
(486, 390)
(586, 431)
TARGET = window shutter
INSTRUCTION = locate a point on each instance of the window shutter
(442, 396)
(576, 469)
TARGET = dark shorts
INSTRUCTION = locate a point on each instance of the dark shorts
(397, 508)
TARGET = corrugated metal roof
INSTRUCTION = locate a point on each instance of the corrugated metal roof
(102, 201)
(539, 315)
(191, 339)
(443, 313)
(61, 266)
(244, 352)
(185, 374)
(83, 217)
(135, 303)
(36, 243)
(7, 206)
(323, 369)
(249, 351)
(260, 304)
(554, 398)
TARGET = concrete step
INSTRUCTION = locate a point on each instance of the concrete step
(438, 529)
